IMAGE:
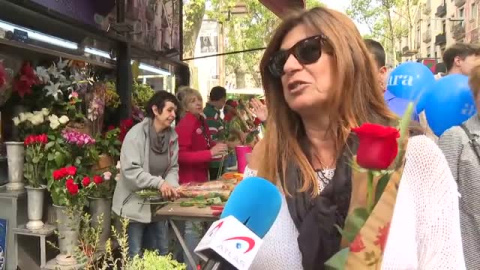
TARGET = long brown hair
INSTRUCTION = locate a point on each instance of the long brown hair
(356, 97)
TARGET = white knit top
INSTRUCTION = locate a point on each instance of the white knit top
(425, 228)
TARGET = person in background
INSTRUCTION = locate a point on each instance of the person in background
(259, 109)
(461, 148)
(395, 104)
(460, 58)
(196, 151)
(217, 99)
(440, 70)
(149, 160)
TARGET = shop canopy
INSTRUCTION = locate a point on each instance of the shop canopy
(282, 7)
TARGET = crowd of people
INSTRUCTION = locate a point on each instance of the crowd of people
(321, 80)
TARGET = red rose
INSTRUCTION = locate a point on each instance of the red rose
(357, 245)
(57, 175)
(86, 181)
(43, 138)
(378, 146)
(70, 182)
(71, 170)
(72, 189)
(97, 179)
(257, 122)
(27, 141)
(110, 128)
(63, 172)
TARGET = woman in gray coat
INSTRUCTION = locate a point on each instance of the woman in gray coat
(461, 147)
(149, 159)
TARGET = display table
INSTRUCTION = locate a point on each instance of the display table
(42, 234)
(13, 205)
(173, 213)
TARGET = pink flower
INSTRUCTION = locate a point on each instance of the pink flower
(107, 175)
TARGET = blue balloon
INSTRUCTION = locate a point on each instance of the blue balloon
(450, 103)
(411, 81)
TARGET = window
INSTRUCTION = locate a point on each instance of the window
(461, 13)
(444, 27)
(474, 11)
(429, 50)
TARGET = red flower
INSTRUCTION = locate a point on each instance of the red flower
(42, 138)
(126, 123)
(228, 117)
(58, 174)
(72, 188)
(97, 179)
(3, 75)
(69, 182)
(71, 170)
(28, 140)
(378, 146)
(382, 236)
(110, 128)
(86, 181)
(257, 122)
(357, 245)
(26, 79)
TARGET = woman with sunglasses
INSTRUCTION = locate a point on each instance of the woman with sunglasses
(320, 82)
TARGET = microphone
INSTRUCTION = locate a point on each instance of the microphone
(233, 241)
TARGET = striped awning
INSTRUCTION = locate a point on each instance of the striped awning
(282, 7)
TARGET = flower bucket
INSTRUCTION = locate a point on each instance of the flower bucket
(101, 208)
(15, 157)
(35, 207)
(241, 151)
(68, 227)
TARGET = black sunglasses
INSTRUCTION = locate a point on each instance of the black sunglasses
(306, 51)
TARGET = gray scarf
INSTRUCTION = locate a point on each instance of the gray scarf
(159, 141)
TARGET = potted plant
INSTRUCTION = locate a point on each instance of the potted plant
(100, 192)
(68, 199)
(34, 173)
(108, 145)
(27, 124)
(82, 148)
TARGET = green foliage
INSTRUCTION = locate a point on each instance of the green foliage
(141, 94)
(387, 20)
(109, 144)
(242, 32)
(151, 260)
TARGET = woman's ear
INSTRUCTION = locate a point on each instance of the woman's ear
(155, 110)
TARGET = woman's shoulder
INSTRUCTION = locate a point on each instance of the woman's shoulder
(426, 167)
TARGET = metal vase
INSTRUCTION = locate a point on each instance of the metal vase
(100, 208)
(15, 157)
(35, 207)
(68, 227)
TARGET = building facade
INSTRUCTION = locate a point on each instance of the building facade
(436, 25)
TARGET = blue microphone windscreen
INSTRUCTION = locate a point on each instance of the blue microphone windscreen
(256, 203)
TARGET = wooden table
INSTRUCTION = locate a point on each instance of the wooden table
(173, 212)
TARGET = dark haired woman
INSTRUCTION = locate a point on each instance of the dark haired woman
(149, 159)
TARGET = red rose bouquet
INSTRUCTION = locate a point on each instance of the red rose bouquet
(66, 188)
(376, 174)
(35, 157)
